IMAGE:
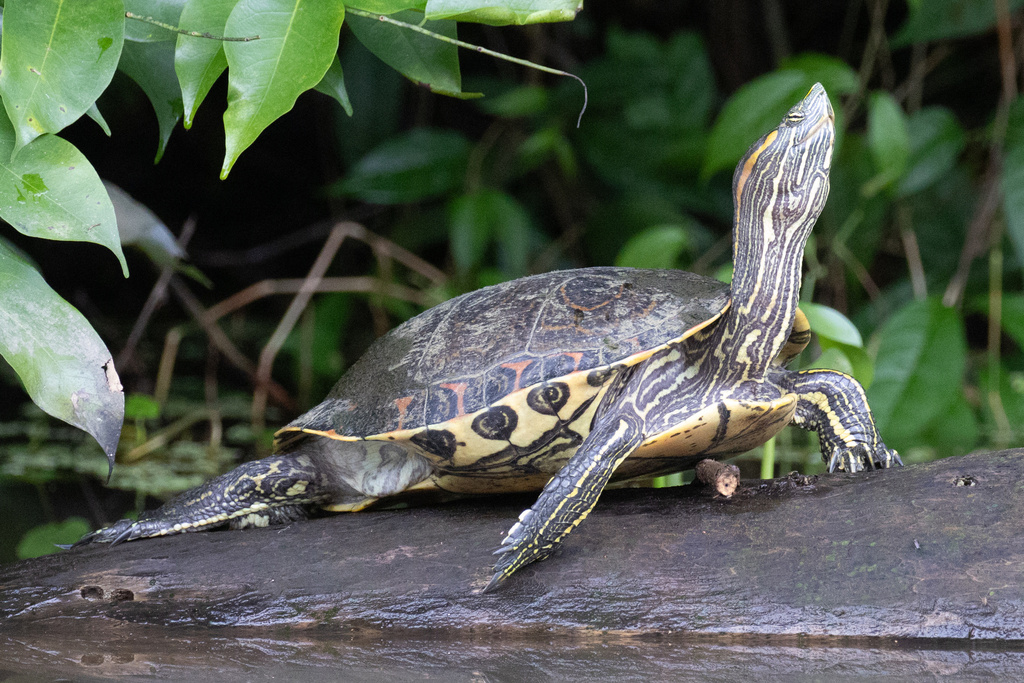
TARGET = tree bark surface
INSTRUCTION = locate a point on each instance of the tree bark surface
(931, 551)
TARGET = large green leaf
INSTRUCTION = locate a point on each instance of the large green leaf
(420, 164)
(486, 217)
(504, 12)
(60, 359)
(758, 106)
(940, 19)
(56, 59)
(828, 322)
(888, 141)
(936, 140)
(151, 65)
(45, 538)
(49, 190)
(333, 85)
(420, 58)
(919, 371)
(658, 246)
(199, 62)
(298, 41)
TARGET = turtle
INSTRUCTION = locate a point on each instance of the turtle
(564, 381)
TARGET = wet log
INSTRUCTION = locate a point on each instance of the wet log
(933, 551)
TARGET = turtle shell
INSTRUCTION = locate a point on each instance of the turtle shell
(538, 338)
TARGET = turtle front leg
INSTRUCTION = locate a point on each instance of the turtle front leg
(273, 490)
(833, 404)
(568, 497)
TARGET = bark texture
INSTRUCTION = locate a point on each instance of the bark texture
(927, 551)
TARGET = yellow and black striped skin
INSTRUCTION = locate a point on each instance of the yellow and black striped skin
(599, 374)
(731, 368)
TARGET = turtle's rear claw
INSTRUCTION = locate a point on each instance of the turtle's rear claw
(115, 533)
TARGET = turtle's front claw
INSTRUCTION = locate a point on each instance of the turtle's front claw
(861, 457)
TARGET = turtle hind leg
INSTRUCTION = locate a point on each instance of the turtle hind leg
(833, 404)
(568, 497)
(272, 490)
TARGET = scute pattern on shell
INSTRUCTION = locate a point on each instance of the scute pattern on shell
(471, 351)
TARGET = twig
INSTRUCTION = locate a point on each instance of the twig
(156, 297)
(225, 346)
(875, 43)
(977, 239)
(477, 48)
(291, 316)
(194, 34)
(912, 252)
(165, 435)
(723, 478)
(364, 284)
(165, 371)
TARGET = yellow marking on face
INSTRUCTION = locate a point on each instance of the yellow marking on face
(296, 489)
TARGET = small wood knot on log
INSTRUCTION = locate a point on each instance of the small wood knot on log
(723, 478)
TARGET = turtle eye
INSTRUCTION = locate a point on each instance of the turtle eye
(794, 118)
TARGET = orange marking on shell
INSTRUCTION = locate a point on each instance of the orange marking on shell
(576, 357)
(459, 388)
(518, 367)
(402, 404)
(576, 307)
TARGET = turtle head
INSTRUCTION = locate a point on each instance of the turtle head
(780, 186)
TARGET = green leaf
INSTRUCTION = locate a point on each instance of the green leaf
(758, 106)
(830, 323)
(139, 226)
(658, 246)
(94, 114)
(422, 59)
(833, 359)
(199, 62)
(833, 73)
(936, 140)
(333, 85)
(856, 360)
(57, 57)
(486, 217)
(50, 191)
(504, 12)
(141, 31)
(1013, 316)
(955, 432)
(298, 42)
(151, 65)
(141, 407)
(919, 370)
(930, 20)
(44, 539)
(521, 101)
(420, 164)
(62, 362)
(888, 140)
(752, 111)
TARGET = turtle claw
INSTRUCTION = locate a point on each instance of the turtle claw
(118, 532)
(861, 457)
